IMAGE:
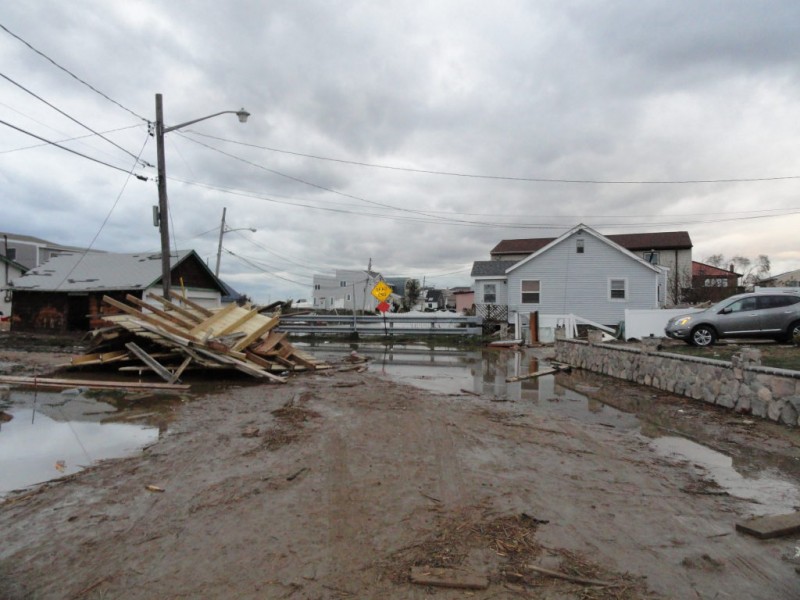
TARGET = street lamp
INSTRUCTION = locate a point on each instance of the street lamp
(223, 229)
(163, 210)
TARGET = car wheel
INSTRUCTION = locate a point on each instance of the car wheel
(793, 333)
(703, 336)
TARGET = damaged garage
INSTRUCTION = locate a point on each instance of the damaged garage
(66, 293)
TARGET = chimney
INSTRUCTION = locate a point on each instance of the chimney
(731, 268)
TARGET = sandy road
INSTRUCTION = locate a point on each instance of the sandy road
(352, 479)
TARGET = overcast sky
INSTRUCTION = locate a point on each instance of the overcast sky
(414, 134)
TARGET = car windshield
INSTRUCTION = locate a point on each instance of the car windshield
(723, 303)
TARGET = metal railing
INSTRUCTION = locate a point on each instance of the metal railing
(436, 324)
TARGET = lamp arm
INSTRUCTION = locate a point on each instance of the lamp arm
(192, 122)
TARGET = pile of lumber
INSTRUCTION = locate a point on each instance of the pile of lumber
(170, 336)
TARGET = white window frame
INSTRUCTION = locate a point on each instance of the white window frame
(580, 246)
(650, 255)
(624, 281)
(485, 289)
(523, 292)
(342, 284)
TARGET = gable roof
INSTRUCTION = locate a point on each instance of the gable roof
(581, 229)
(703, 270)
(30, 239)
(491, 268)
(663, 240)
(101, 272)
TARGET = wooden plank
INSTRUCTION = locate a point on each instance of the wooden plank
(176, 376)
(244, 343)
(771, 527)
(178, 309)
(240, 365)
(157, 311)
(205, 326)
(261, 362)
(198, 307)
(239, 322)
(99, 358)
(535, 375)
(448, 578)
(147, 318)
(150, 362)
(273, 339)
(89, 383)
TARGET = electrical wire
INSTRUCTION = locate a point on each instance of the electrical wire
(108, 215)
(264, 270)
(57, 145)
(478, 224)
(503, 177)
(71, 118)
(71, 74)
(72, 139)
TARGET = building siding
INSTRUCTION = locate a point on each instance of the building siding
(501, 289)
(579, 283)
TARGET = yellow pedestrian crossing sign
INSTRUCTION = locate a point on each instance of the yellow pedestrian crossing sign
(381, 291)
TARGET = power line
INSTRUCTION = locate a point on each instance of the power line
(503, 177)
(71, 74)
(72, 139)
(108, 215)
(33, 135)
(73, 119)
(264, 270)
(462, 223)
(314, 185)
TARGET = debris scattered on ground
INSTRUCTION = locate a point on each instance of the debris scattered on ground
(180, 335)
(448, 578)
(772, 526)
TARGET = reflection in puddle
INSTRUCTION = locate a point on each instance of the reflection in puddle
(770, 495)
(50, 435)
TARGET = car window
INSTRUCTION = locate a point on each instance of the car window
(776, 301)
(743, 304)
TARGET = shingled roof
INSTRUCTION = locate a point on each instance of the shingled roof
(663, 240)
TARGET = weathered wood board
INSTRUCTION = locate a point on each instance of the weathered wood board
(771, 527)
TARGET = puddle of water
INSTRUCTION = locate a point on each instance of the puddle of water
(769, 494)
(51, 435)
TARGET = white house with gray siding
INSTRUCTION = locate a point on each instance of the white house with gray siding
(582, 273)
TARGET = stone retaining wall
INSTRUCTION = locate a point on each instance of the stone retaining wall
(742, 385)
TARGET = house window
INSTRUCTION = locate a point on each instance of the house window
(489, 293)
(651, 257)
(349, 297)
(11, 253)
(617, 289)
(317, 286)
(579, 246)
(531, 289)
(342, 284)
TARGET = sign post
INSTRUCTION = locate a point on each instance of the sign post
(381, 291)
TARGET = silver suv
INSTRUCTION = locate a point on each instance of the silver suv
(762, 315)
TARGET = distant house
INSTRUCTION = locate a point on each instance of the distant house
(463, 299)
(711, 283)
(788, 279)
(66, 292)
(669, 249)
(11, 270)
(433, 299)
(30, 251)
(582, 272)
(346, 290)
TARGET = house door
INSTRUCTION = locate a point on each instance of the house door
(78, 312)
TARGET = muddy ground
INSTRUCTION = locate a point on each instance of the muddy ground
(337, 483)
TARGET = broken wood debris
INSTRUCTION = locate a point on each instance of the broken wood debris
(173, 335)
(555, 369)
(448, 578)
(771, 526)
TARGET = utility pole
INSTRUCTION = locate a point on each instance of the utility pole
(219, 248)
(163, 211)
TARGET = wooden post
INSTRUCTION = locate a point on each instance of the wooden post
(534, 326)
